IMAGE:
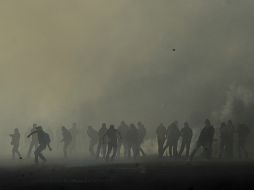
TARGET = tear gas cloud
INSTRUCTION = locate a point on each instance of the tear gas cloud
(94, 61)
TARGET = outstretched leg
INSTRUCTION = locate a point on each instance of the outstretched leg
(13, 153)
(30, 149)
(16, 148)
(194, 151)
(20, 157)
(182, 148)
(98, 151)
(142, 151)
(38, 153)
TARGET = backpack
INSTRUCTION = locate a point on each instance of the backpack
(46, 138)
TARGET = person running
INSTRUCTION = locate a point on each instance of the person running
(44, 142)
(205, 140)
(34, 142)
(15, 138)
(67, 138)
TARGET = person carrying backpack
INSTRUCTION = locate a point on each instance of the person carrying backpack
(44, 142)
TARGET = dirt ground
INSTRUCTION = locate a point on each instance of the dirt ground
(130, 175)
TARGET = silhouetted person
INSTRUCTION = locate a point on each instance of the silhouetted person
(15, 138)
(161, 138)
(123, 142)
(44, 142)
(133, 141)
(113, 136)
(94, 137)
(223, 140)
(230, 139)
(205, 140)
(186, 134)
(173, 135)
(67, 138)
(102, 145)
(34, 142)
(74, 133)
(243, 133)
(141, 137)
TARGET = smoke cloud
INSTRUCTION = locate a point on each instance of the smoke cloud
(94, 61)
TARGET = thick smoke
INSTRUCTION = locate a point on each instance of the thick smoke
(239, 106)
(92, 61)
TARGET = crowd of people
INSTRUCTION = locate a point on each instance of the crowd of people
(125, 141)
(110, 141)
(168, 138)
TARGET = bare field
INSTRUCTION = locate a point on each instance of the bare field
(149, 174)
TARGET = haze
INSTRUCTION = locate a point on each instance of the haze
(94, 61)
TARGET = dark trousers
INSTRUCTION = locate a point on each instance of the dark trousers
(32, 144)
(161, 142)
(185, 145)
(38, 153)
(15, 150)
(111, 146)
(207, 150)
(172, 147)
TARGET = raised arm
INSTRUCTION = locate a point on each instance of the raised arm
(32, 133)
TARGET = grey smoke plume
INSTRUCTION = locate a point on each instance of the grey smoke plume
(239, 105)
(92, 61)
